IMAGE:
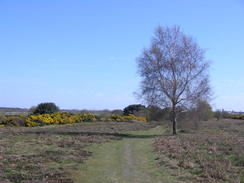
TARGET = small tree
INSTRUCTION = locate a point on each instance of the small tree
(46, 108)
(174, 72)
(204, 110)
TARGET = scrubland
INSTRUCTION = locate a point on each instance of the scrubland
(123, 152)
(212, 153)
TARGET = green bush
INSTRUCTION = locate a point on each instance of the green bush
(133, 109)
(155, 113)
(46, 108)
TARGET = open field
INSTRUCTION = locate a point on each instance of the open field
(122, 152)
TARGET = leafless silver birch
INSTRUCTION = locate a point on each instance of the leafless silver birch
(174, 72)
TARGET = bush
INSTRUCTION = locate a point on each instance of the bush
(204, 110)
(61, 118)
(12, 120)
(58, 118)
(133, 109)
(155, 113)
(87, 117)
(46, 108)
(237, 116)
(125, 118)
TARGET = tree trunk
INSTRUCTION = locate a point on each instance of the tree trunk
(174, 125)
(174, 120)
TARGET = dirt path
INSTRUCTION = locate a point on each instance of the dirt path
(130, 160)
(132, 163)
(129, 164)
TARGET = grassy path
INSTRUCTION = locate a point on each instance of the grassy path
(130, 160)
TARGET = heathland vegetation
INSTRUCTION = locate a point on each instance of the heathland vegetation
(203, 151)
(47, 144)
(48, 113)
(79, 146)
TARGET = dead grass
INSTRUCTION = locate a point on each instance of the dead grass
(214, 153)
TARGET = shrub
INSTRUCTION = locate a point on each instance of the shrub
(58, 118)
(125, 118)
(12, 120)
(237, 116)
(155, 113)
(133, 109)
(46, 108)
(132, 118)
(203, 110)
(87, 117)
(61, 118)
(117, 118)
(3, 119)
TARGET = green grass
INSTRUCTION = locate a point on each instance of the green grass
(56, 152)
(129, 160)
(63, 153)
(237, 159)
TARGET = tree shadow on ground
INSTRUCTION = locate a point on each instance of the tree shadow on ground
(114, 134)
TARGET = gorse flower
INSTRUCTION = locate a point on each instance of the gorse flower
(59, 118)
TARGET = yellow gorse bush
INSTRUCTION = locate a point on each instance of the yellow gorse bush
(120, 118)
(62, 118)
(237, 116)
(58, 118)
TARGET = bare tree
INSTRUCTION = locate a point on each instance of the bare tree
(174, 72)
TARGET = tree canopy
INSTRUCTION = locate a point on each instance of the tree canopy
(46, 108)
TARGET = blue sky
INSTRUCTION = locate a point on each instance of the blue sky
(81, 54)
